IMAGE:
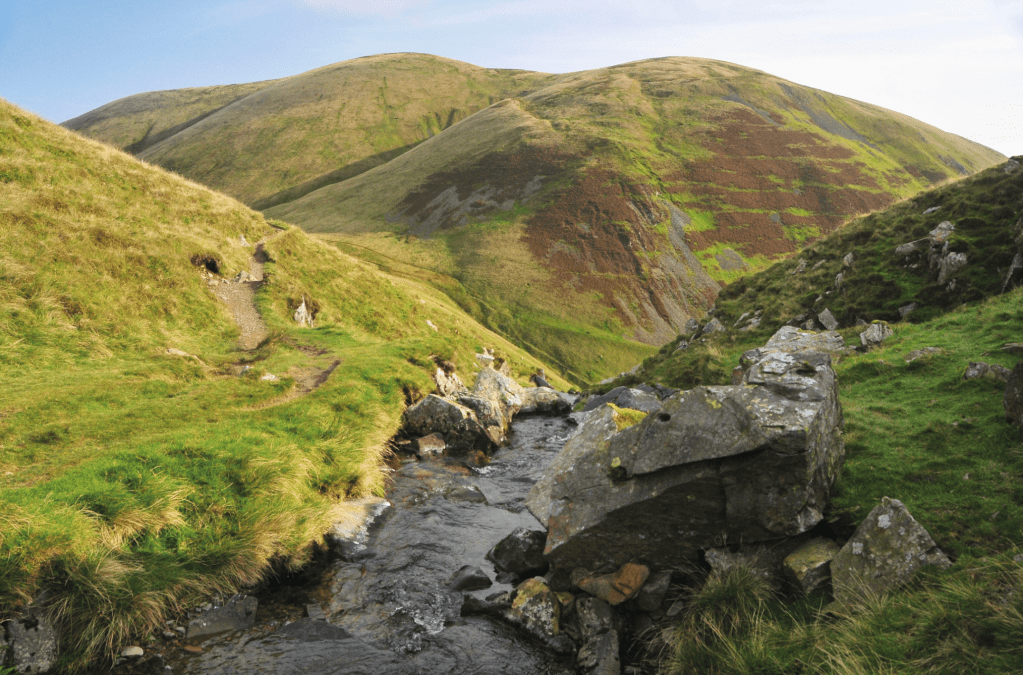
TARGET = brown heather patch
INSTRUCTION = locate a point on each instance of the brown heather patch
(589, 236)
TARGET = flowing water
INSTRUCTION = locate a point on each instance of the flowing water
(390, 610)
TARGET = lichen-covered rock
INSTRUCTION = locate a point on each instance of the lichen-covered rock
(32, 642)
(978, 369)
(808, 568)
(520, 553)
(883, 553)
(875, 334)
(949, 265)
(752, 462)
(713, 326)
(535, 608)
(594, 616)
(429, 445)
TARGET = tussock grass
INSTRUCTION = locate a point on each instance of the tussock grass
(135, 482)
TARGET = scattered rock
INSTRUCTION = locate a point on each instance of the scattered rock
(651, 596)
(466, 493)
(941, 233)
(237, 613)
(470, 578)
(692, 327)
(883, 553)
(1013, 399)
(682, 346)
(808, 568)
(520, 553)
(800, 267)
(1014, 348)
(624, 397)
(931, 210)
(921, 353)
(949, 265)
(838, 281)
(1010, 166)
(448, 383)
(594, 617)
(431, 325)
(674, 483)
(905, 310)
(269, 377)
(911, 247)
(615, 588)
(429, 445)
(848, 260)
(599, 655)
(539, 381)
(816, 265)
(315, 612)
(172, 351)
(303, 317)
(713, 326)
(875, 334)
(485, 359)
(535, 608)
(828, 319)
(132, 652)
(243, 277)
(978, 369)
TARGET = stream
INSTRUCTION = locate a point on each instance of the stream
(390, 611)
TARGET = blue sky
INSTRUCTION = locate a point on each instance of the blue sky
(956, 65)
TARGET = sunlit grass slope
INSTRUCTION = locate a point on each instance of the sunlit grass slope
(914, 430)
(134, 480)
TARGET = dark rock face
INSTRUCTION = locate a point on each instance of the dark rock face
(469, 578)
(520, 553)
(599, 656)
(237, 613)
(1013, 400)
(623, 397)
(752, 462)
(883, 553)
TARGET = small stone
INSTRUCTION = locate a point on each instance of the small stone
(931, 210)
(268, 377)
(808, 568)
(848, 260)
(431, 445)
(875, 334)
(800, 267)
(535, 608)
(169, 635)
(469, 578)
(618, 587)
(1014, 348)
(920, 353)
(315, 612)
(180, 630)
(430, 324)
(828, 319)
(905, 310)
(193, 649)
(132, 652)
(651, 596)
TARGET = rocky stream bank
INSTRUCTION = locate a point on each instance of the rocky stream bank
(564, 543)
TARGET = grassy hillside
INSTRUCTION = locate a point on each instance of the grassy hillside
(915, 430)
(135, 480)
(585, 212)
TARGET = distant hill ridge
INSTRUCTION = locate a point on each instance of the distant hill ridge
(586, 207)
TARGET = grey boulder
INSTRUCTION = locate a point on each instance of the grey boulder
(883, 553)
(875, 334)
(752, 462)
(237, 613)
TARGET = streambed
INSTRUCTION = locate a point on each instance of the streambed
(390, 611)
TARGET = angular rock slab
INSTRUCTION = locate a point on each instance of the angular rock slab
(751, 462)
(883, 553)
(808, 568)
(618, 587)
(458, 423)
(875, 334)
(599, 656)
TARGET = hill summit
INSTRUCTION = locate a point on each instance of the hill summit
(579, 212)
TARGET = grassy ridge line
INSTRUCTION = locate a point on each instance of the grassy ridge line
(135, 481)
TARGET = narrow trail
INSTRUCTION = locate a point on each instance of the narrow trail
(240, 297)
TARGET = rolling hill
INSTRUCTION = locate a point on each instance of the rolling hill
(146, 459)
(583, 215)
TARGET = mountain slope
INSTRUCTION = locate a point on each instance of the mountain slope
(146, 460)
(600, 207)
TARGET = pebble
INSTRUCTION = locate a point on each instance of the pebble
(132, 652)
(169, 635)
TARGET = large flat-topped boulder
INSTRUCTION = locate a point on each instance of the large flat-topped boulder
(749, 462)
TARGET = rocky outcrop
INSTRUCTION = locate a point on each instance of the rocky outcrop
(31, 641)
(884, 552)
(750, 462)
(976, 370)
(624, 397)
(482, 416)
(938, 256)
(875, 334)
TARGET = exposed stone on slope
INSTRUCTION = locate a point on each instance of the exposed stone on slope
(886, 550)
(875, 334)
(752, 462)
(808, 568)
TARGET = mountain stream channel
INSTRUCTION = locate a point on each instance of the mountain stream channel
(380, 602)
